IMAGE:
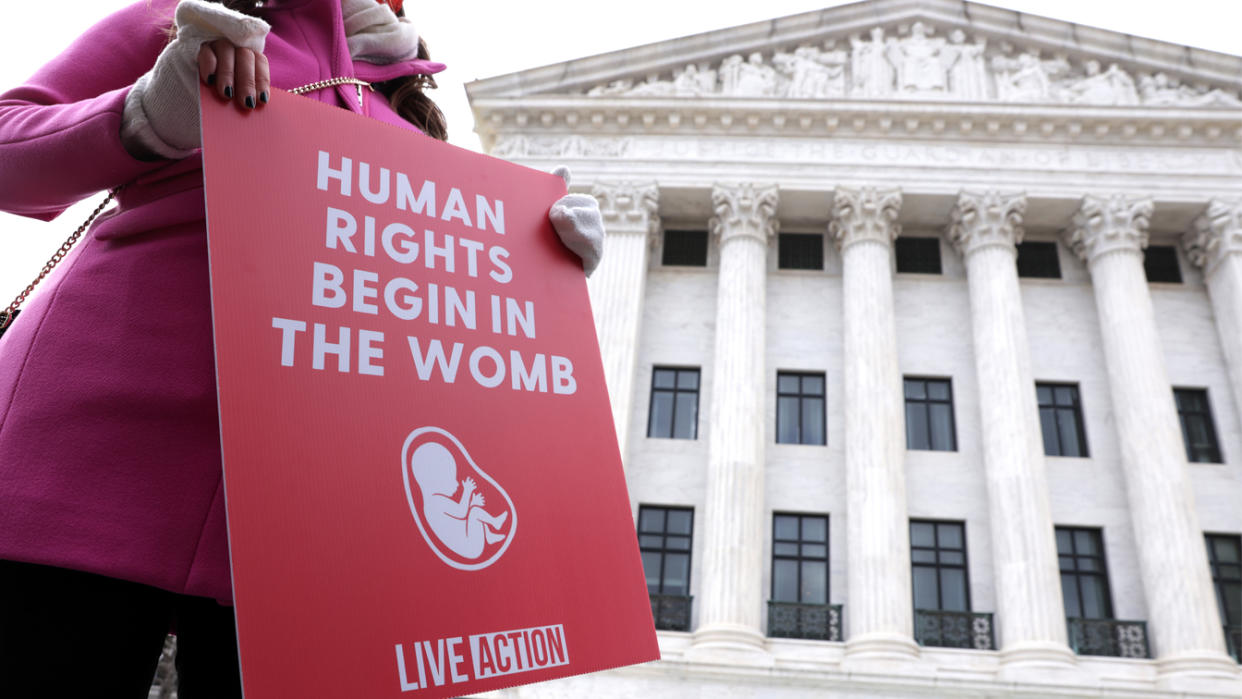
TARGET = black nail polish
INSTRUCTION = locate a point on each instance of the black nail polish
(211, 79)
(263, 97)
(228, 92)
(249, 102)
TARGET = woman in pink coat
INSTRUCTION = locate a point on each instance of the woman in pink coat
(112, 525)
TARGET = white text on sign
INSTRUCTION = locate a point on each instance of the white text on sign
(481, 656)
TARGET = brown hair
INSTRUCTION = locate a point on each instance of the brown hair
(404, 94)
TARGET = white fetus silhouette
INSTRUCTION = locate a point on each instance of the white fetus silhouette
(462, 524)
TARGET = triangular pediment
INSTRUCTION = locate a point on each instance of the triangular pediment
(899, 50)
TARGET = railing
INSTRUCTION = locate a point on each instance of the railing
(1119, 639)
(671, 612)
(972, 630)
(817, 622)
(1233, 641)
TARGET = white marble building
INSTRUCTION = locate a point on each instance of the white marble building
(824, 361)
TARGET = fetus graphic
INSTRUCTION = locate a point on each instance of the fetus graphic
(463, 514)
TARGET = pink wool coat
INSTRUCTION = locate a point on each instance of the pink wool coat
(109, 441)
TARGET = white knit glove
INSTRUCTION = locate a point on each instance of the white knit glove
(161, 111)
(579, 224)
(375, 33)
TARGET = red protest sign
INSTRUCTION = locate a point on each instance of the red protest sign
(424, 491)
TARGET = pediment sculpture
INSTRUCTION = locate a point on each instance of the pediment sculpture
(920, 64)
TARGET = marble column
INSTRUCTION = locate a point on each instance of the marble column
(618, 287)
(985, 228)
(731, 597)
(1215, 245)
(1109, 233)
(879, 610)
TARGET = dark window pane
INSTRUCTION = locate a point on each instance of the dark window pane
(1085, 543)
(1038, 259)
(651, 520)
(814, 582)
(1094, 603)
(1231, 594)
(938, 390)
(923, 534)
(953, 590)
(1067, 429)
(812, 421)
(918, 255)
(677, 543)
(816, 529)
(1044, 394)
(916, 426)
(787, 420)
(1065, 541)
(1089, 565)
(1069, 594)
(687, 248)
(664, 378)
(651, 568)
(784, 548)
(814, 551)
(687, 415)
(679, 522)
(915, 389)
(1160, 264)
(654, 541)
(677, 574)
(688, 379)
(785, 581)
(785, 527)
(661, 415)
(1067, 563)
(1065, 395)
(787, 383)
(925, 590)
(800, 251)
(1226, 549)
(953, 558)
(1048, 425)
(941, 427)
(813, 385)
(923, 556)
(950, 536)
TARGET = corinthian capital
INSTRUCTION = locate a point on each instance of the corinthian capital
(866, 214)
(1217, 233)
(628, 207)
(744, 210)
(1109, 224)
(987, 219)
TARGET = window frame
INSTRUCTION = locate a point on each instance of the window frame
(926, 402)
(1219, 580)
(1077, 574)
(790, 254)
(1075, 407)
(938, 566)
(1030, 270)
(1213, 449)
(684, 247)
(905, 248)
(675, 391)
(801, 397)
(799, 558)
(664, 550)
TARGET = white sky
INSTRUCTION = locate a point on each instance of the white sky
(484, 38)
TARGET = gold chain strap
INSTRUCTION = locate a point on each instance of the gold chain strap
(330, 82)
(6, 316)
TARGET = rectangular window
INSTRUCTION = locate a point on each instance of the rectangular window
(665, 538)
(1197, 429)
(1060, 418)
(800, 558)
(800, 408)
(685, 248)
(929, 414)
(938, 564)
(1225, 557)
(1084, 575)
(918, 255)
(1038, 260)
(800, 251)
(674, 409)
(1160, 263)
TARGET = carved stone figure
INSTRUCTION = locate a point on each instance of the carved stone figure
(873, 75)
(692, 82)
(968, 76)
(747, 78)
(921, 62)
(812, 73)
(1160, 90)
(1021, 79)
(616, 87)
(1111, 87)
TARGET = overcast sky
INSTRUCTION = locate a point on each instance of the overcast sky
(484, 38)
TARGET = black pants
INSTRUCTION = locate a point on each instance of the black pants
(65, 633)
